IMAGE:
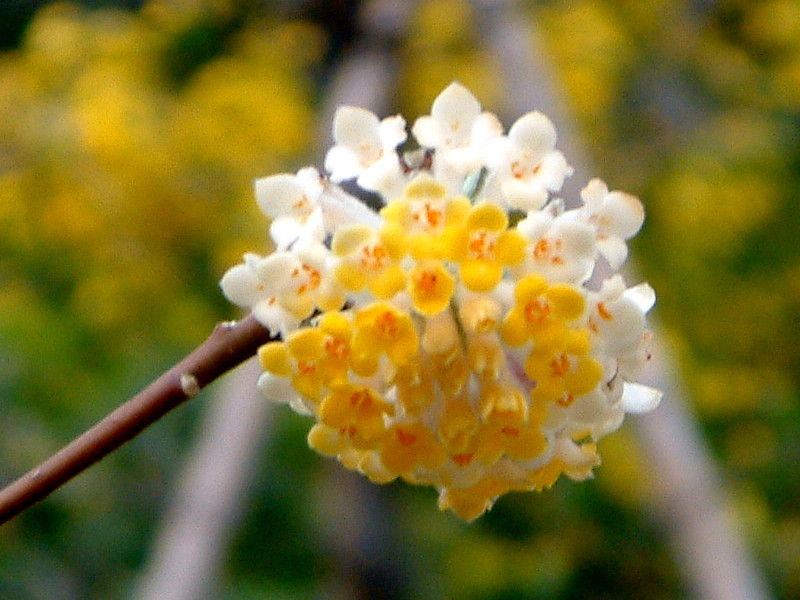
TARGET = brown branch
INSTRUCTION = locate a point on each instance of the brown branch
(228, 345)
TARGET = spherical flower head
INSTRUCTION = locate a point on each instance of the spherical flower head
(440, 338)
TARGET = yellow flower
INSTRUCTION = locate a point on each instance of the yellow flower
(431, 286)
(420, 220)
(367, 260)
(312, 357)
(484, 246)
(357, 412)
(541, 311)
(380, 329)
(415, 387)
(410, 444)
(562, 376)
(471, 502)
(509, 428)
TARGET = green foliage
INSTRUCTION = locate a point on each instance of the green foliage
(128, 145)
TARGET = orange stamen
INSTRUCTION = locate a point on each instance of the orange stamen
(559, 366)
(405, 438)
(462, 460)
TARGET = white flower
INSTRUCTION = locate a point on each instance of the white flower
(290, 201)
(559, 247)
(617, 216)
(617, 315)
(525, 164)
(458, 132)
(245, 286)
(366, 149)
(305, 279)
(305, 208)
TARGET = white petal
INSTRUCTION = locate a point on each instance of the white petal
(642, 295)
(313, 230)
(280, 195)
(535, 132)
(624, 212)
(578, 238)
(342, 164)
(589, 408)
(612, 288)
(496, 152)
(622, 332)
(535, 225)
(522, 195)
(392, 131)
(311, 180)
(276, 268)
(240, 285)
(384, 177)
(455, 110)
(594, 192)
(275, 318)
(426, 132)
(357, 129)
(284, 231)
(638, 398)
(554, 170)
(487, 127)
(275, 388)
(339, 207)
(614, 250)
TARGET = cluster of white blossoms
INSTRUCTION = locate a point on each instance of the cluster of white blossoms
(449, 337)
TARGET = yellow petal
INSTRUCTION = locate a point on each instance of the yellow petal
(481, 275)
(431, 286)
(274, 357)
(486, 215)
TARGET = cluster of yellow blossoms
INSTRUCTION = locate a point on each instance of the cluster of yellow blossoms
(449, 337)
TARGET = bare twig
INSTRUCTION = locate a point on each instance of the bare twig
(228, 345)
(210, 494)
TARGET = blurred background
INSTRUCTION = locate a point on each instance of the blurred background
(130, 135)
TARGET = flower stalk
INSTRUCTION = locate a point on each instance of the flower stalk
(228, 345)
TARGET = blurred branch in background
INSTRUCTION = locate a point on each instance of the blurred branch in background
(210, 495)
(692, 504)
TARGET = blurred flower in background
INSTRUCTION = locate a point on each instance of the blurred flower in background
(130, 135)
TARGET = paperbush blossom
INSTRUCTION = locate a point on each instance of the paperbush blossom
(449, 338)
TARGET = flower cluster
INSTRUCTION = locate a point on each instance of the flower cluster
(449, 337)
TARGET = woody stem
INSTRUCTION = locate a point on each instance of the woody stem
(228, 345)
